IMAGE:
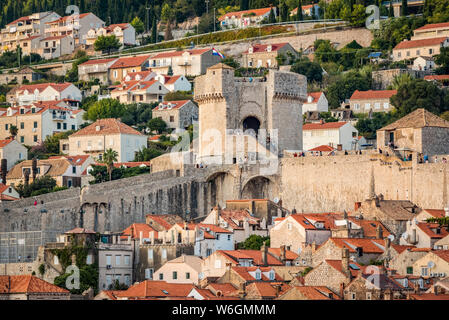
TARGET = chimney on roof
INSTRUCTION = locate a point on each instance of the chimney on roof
(342, 289)
(345, 262)
(345, 214)
(283, 253)
(278, 289)
(387, 243)
(379, 232)
(264, 250)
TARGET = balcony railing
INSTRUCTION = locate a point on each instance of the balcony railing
(59, 117)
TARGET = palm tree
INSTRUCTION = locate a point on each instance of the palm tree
(13, 130)
(109, 157)
(400, 80)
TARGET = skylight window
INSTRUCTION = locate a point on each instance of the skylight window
(165, 291)
(353, 266)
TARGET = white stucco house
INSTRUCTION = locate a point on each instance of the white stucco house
(27, 94)
(316, 101)
(12, 151)
(331, 133)
(423, 64)
(210, 238)
(174, 83)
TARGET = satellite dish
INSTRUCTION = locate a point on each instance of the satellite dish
(404, 235)
(276, 200)
(391, 237)
(430, 264)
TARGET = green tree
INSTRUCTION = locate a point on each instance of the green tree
(419, 94)
(442, 60)
(253, 242)
(206, 23)
(438, 11)
(445, 115)
(109, 157)
(178, 95)
(283, 8)
(107, 43)
(138, 25)
(404, 8)
(311, 70)
(358, 16)
(105, 108)
(400, 80)
(167, 13)
(154, 30)
(13, 131)
(157, 124)
(230, 61)
(344, 86)
(40, 185)
(325, 52)
(146, 154)
(299, 15)
(51, 143)
(271, 16)
(390, 10)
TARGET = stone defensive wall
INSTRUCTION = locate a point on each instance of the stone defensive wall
(309, 184)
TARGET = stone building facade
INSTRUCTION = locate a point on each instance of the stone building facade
(226, 102)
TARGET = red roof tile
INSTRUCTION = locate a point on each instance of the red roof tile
(27, 284)
(80, 231)
(97, 61)
(5, 142)
(315, 95)
(323, 126)
(263, 47)
(316, 292)
(439, 77)
(368, 245)
(135, 229)
(174, 105)
(244, 273)
(42, 86)
(434, 26)
(106, 126)
(430, 229)
(179, 53)
(239, 14)
(158, 289)
(254, 255)
(70, 18)
(420, 43)
(128, 62)
(373, 94)
(323, 148)
(437, 213)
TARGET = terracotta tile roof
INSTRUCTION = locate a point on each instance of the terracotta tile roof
(419, 118)
(27, 284)
(263, 47)
(5, 142)
(3, 187)
(226, 289)
(400, 248)
(42, 86)
(316, 292)
(430, 229)
(434, 26)
(289, 255)
(55, 37)
(156, 289)
(383, 282)
(6, 197)
(239, 14)
(323, 148)
(172, 79)
(179, 53)
(370, 227)
(254, 255)
(193, 261)
(294, 11)
(70, 18)
(323, 126)
(437, 77)
(142, 74)
(129, 62)
(315, 95)
(244, 273)
(419, 43)
(174, 105)
(80, 231)
(111, 293)
(26, 18)
(74, 160)
(106, 126)
(236, 217)
(57, 167)
(437, 213)
(373, 94)
(122, 26)
(266, 290)
(443, 254)
(166, 221)
(135, 229)
(368, 245)
(97, 61)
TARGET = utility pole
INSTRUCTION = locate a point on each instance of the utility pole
(207, 5)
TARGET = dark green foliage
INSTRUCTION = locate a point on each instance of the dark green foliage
(419, 93)
(311, 70)
(106, 108)
(137, 114)
(254, 242)
(157, 124)
(41, 185)
(100, 173)
(178, 95)
(271, 17)
(299, 15)
(107, 43)
(149, 153)
(231, 62)
(442, 60)
(327, 117)
(404, 8)
(51, 143)
(368, 127)
(344, 86)
(206, 24)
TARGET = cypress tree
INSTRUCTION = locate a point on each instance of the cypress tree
(284, 12)
(404, 8)
(271, 17)
(244, 5)
(390, 11)
(299, 16)
(154, 30)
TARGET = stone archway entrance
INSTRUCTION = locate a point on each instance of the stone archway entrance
(260, 187)
(251, 123)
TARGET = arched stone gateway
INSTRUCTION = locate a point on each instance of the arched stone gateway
(260, 187)
(251, 124)
(220, 187)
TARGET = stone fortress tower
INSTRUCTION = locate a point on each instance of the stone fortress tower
(228, 102)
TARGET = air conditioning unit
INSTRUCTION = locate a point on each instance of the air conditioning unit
(108, 266)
